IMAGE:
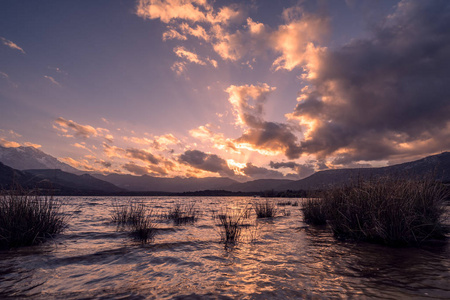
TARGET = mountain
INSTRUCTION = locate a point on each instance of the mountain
(57, 181)
(436, 165)
(71, 181)
(23, 158)
(174, 185)
(10, 176)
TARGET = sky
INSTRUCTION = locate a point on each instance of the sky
(246, 89)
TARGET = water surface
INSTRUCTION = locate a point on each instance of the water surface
(280, 258)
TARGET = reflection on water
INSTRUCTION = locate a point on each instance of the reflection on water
(288, 260)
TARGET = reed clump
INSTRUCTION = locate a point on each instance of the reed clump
(266, 209)
(385, 210)
(287, 203)
(230, 225)
(27, 220)
(183, 214)
(136, 217)
(314, 211)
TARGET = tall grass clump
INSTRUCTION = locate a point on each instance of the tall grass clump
(230, 225)
(266, 209)
(314, 211)
(27, 220)
(136, 217)
(183, 214)
(386, 210)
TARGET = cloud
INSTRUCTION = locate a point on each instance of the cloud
(302, 170)
(11, 44)
(268, 138)
(172, 34)
(261, 173)
(383, 96)
(166, 11)
(135, 169)
(84, 131)
(142, 155)
(297, 40)
(179, 67)
(248, 102)
(52, 80)
(207, 162)
(78, 164)
(8, 144)
(192, 58)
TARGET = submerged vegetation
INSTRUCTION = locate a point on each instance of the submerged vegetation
(387, 210)
(27, 220)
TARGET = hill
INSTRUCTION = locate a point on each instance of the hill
(174, 185)
(436, 165)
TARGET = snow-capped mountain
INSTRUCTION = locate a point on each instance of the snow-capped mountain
(24, 158)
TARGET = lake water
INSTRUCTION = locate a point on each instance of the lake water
(281, 258)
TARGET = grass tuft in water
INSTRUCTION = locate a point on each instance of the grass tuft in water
(183, 214)
(230, 225)
(385, 210)
(266, 209)
(27, 220)
(136, 217)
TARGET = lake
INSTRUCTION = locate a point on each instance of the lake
(280, 258)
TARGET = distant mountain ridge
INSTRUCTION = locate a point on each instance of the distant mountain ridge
(160, 184)
(42, 166)
(435, 165)
(24, 158)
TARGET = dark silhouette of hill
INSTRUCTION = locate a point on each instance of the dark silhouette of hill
(258, 185)
(75, 182)
(174, 185)
(435, 165)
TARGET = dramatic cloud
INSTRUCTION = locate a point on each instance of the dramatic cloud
(79, 130)
(297, 40)
(385, 96)
(261, 173)
(260, 135)
(206, 162)
(301, 170)
(11, 44)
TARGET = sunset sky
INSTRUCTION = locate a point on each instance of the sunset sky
(248, 90)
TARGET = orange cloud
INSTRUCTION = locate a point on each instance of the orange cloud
(84, 131)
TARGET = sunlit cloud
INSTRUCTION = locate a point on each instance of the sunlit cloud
(84, 131)
(8, 144)
(11, 44)
(172, 34)
(78, 164)
(142, 155)
(376, 97)
(207, 162)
